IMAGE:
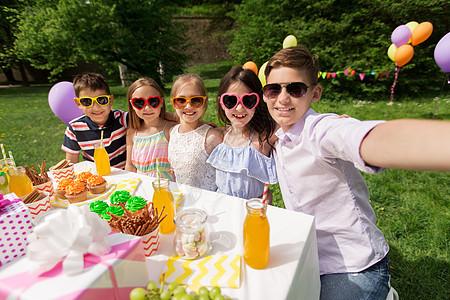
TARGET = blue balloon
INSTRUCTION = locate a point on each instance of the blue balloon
(60, 99)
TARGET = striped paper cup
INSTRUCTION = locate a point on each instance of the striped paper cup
(60, 174)
(150, 241)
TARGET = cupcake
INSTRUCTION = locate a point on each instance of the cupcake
(136, 205)
(61, 188)
(98, 206)
(76, 192)
(83, 176)
(96, 184)
(119, 197)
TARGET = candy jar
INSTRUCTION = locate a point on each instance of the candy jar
(256, 234)
(191, 235)
(19, 183)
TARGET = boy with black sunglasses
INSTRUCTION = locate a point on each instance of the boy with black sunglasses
(318, 158)
(94, 99)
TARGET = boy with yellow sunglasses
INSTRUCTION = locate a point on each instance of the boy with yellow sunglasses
(94, 99)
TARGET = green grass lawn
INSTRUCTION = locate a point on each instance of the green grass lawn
(412, 207)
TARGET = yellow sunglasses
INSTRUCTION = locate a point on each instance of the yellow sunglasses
(88, 101)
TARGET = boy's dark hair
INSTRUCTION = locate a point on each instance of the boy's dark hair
(135, 121)
(92, 81)
(298, 57)
(261, 122)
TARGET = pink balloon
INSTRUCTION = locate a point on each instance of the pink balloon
(442, 53)
(60, 99)
(401, 35)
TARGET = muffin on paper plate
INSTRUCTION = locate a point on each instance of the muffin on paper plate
(96, 184)
(61, 188)
(76, 192)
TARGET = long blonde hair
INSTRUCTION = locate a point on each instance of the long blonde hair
(189, 78)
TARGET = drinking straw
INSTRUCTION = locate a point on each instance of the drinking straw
(266, 189)
(11, 157)
(158, 174)
(3, 152)
(101, 137)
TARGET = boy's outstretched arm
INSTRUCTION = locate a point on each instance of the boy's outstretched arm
(74, 158)
(408, 144)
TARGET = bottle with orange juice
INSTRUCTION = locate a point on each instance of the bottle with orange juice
(162, 198)
(19, 183)
(256, 234)
(101, 159)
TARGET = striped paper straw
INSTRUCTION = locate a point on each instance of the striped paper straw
(12, 158)
(266, 189)
(3, 152)
(101, 137)
(158, 172)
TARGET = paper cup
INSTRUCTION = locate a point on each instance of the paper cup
(58, 175)
(150, 241)
(40, 207)
(46, 187)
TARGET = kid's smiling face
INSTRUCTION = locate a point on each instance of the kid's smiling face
(148, 113)
(99, 114)
(189, 114)
(239, 116)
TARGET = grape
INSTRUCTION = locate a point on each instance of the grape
(177, 297)
(152, 286)
(203, 291)
(165, 295)
(219, 297)
(215, 291)
(179, 290)
(138, 294)
(172, 286)
(203, 297)
(187, 297)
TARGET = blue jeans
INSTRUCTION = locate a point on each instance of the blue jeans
(371, 283)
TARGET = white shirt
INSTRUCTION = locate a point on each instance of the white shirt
(317, 161)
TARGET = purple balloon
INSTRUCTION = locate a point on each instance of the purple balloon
(401, 35)
(60, 99)
(442, 53)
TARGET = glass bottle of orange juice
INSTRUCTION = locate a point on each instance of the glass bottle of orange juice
(101, 159)
(256, 235)
(19, 183)
(162, 197)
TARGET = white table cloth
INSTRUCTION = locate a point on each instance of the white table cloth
(293, 269)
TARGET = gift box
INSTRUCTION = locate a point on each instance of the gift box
(15, 226)
(110, 276)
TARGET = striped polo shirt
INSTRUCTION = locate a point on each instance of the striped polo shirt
(83, 134)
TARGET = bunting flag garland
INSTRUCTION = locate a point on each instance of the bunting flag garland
(352, 72)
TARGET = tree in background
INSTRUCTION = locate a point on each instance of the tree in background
(56, 35)
(344, 33)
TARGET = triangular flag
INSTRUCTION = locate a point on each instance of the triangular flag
(333, 74)
(328, 75)
(361, 75)
(324, 75)
(346, 72)
(318, 75)
(377, 75)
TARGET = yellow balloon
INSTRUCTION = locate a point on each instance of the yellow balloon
(289, 41)
(411, 25)
(261, 75)
(391, 51)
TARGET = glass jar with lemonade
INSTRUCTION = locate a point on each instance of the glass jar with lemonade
(19, 183)
(162, 198)
(101, 159)
(256, 234)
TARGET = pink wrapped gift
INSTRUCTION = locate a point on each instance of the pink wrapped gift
(15, 226)
(150, 241)
(110, 276)
(46, 187)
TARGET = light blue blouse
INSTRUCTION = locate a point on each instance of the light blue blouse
(242, 171)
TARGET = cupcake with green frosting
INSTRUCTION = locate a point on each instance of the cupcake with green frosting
(115, 210)
(98, 206)
(119, 197)
(136, 205)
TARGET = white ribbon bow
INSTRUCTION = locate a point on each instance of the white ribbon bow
(66, 235)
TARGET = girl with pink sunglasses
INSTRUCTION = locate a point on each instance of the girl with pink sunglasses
(244, 160)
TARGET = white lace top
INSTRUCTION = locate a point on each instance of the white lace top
(187, 156)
